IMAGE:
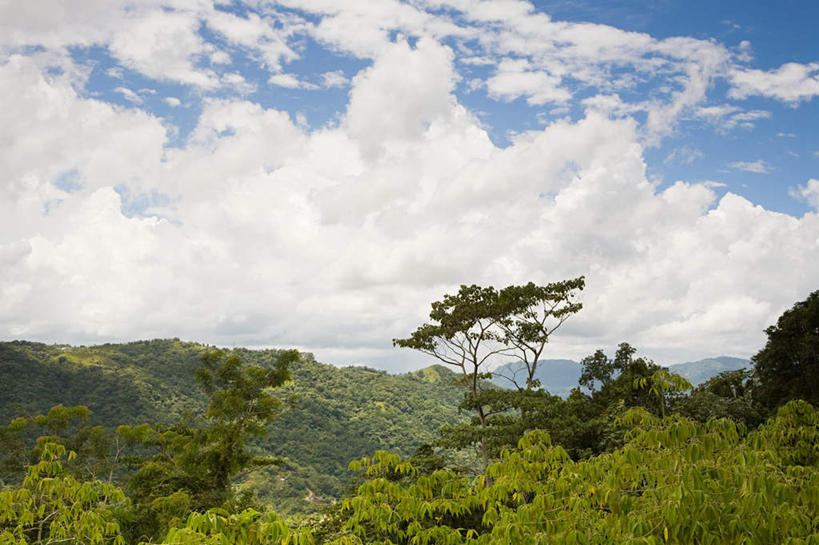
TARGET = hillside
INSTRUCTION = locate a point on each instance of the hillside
(335, 414)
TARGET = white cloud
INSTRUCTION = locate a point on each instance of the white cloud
(757, 167)
(57, 133)
(727, 117)
(299, 239)
(684, 155)
(164, 45)
(290, 81)
(808, 192)
(336, 78)
(239, 83)
(267, 36)
(219, 57)
(792, 82)
(129, 95)
(336, 239)
(364, 28)
(611, 105)
(711, 184)
(515, 78)
(535, 57)
(57, 24)
(401, 95)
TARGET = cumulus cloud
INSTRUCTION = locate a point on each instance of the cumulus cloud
(56, 132)
(277, 236)
(808, 192)
(402, 94)
(515, 78)
(57, 24)
(266, 35)
(260, 230)
(164, 45)
(792, 82)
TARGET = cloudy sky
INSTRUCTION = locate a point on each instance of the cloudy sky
(313, 173)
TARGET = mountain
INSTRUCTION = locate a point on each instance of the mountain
(699, 371)
(335, 415)
(558, 377)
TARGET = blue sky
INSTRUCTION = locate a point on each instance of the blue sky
(782, 136)
(314, 173)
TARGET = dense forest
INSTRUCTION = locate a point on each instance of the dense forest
(330, 416)
(172, 442)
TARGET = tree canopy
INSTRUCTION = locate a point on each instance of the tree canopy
(479, 326)
(788, 366)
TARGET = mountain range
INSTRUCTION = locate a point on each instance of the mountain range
(559, 376)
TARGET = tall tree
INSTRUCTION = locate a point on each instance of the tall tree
(788, 366)
(477, 326)
(464, 333)
(531, 314)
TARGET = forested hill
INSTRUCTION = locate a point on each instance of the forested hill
(337, 414)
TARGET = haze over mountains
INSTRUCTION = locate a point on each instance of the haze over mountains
(559, 376)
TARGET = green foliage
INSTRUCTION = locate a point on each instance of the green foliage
(250, 527)
(788, 366)
(192, 464)
(22, 441)
(662, 384)
(583, 423)
(143, 381)
(727, 395)
(341, 414)
(617, 378)
(793, 434)
(51, 506)
(675, 481)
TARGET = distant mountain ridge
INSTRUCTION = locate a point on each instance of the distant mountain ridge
(699, 371)
(559, 376)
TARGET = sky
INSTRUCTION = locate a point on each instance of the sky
(314, 173)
